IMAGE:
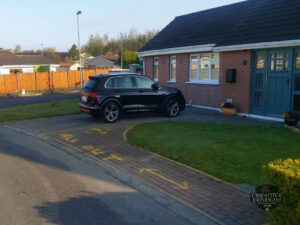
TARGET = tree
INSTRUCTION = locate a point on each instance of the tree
(126, 41)
(50, 52)
(18, 49)
(74, 52)
(94, 46)
(130, 57)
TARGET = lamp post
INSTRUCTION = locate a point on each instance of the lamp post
(42, 49)
(79, 48)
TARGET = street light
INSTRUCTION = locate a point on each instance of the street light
(42, 49)
(79, 48)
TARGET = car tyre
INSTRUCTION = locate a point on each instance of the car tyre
(111, 112)
(171, 107)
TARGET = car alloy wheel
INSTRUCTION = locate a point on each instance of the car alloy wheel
(173, 107)
(111, 112)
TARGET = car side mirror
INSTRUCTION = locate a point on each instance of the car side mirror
(155, 86)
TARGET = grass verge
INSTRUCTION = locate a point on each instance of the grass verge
(233, 153)
(39, 110)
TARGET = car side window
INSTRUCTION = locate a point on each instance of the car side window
(143, 82)
(120, 82)
(111, 83)
(124, 82)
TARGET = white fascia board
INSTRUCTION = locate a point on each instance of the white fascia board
(17, 66)
(170, 51)
(27, 66)
(274, 44)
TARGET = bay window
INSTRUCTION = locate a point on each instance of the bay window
(204, 68)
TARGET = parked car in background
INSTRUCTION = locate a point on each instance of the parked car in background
(109, 95)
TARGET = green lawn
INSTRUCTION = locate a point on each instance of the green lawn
(39, 110)
(230, 152)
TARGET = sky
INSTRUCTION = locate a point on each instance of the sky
(53, 23)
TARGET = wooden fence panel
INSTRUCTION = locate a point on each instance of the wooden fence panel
(26, 81)
(8, 83)
(87, 74)
(60, 79)
(103, 70)
(74, 77)
(2, 83)
(43, 81)
(11, 83)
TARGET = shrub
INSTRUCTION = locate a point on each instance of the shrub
(285, 175)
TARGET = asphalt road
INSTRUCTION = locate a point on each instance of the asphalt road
(41, 184)
(17, 101)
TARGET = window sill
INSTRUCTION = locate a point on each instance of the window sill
(171, 81)
(155, 79)
(210, 82)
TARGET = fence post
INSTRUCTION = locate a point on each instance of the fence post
(82, 71)
(35, 75)
(49, 81)
(52, 80)
(17, 76)
(68, 79)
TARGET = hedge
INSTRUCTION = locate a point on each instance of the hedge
(286, 176)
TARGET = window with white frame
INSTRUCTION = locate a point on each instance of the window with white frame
(173, 68)
(155, 69)
(204, 68)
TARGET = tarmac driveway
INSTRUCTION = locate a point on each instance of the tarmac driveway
(18, 101)
(217, 201)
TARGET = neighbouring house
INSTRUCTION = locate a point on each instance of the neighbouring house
(247, 52)
(58, 57)
(84, 61)
(11, 63)
(103, 61)
(69, 66)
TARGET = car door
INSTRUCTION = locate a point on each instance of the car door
(147, 97)
(122, 88)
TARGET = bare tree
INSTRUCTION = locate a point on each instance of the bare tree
(18, 49)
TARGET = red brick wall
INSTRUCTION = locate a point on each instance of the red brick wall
(239, 91)
(149, 67)
(199, 94)
(208, 95)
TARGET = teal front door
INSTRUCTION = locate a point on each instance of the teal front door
(278, 94)
(272, 82)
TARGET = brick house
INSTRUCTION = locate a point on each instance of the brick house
(255, 41)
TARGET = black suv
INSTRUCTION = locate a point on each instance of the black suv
(108, 95)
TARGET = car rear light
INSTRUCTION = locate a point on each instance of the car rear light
(93, 94)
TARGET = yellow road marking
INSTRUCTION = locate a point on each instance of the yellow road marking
(93, 150)
(97, 130)
(69, 138)
(183, 185)
(88, 147)
(112, 156)
(97, 152)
